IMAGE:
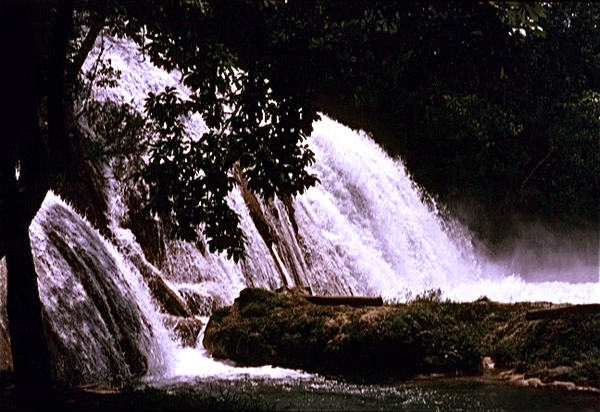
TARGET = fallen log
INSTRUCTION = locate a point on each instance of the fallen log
(555, 313)
(345, 300)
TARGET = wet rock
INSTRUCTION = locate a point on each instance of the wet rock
(169, 300)
(263, 327)
(488, 363)
(185, 329)
(563, 385)
(535, 383)
(148, 232)
(198, 304)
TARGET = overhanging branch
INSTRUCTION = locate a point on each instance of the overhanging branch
(86, 47)
(537, 166)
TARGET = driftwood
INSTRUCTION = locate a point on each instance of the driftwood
(555, 313)
(345, 300)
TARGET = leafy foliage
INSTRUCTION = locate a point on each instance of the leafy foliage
(256, 123)
(118, 131)
(189, 179)
(490, 104)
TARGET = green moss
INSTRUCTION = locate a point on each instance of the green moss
(426, 335)
(219, 313)
(567, 348)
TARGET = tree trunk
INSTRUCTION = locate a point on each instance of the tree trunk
(21, 195)
(23, 184)
(34, 37)
(556, 313)
(31, 358)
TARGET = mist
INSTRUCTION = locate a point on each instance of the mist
(541, 253)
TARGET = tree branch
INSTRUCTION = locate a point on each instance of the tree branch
(86, 46)
(537, 166)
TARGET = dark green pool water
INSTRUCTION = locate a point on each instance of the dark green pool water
(319, 394)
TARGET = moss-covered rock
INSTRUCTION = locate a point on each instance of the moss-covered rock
(563, 349)
(424, 336)
(265, 328)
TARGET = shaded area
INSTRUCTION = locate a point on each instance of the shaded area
(100, 398)
(465, 394)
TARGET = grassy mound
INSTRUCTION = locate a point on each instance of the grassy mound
(426, 335)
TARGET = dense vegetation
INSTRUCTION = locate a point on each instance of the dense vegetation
(492, 105)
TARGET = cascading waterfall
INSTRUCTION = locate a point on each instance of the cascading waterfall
(370, 213)
(366, 229)
(100, 322)
(391, 239)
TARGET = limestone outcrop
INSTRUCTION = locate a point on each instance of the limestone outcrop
(424, 336)
(263, 327)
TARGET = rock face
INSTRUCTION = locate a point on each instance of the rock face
(427, 335)
(186, 330)
(262, 327)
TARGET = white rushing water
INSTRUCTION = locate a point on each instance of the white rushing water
(101, 323)
(366, 229)
(392, 242)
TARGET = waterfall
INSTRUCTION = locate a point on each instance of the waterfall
(366, 229)
(101, 324)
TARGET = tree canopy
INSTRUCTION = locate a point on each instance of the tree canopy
(491, 105)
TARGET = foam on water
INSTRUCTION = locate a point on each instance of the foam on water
(196, 362)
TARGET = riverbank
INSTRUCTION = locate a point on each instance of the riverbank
(424, 336)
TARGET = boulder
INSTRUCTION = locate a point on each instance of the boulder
(185, 329)
(424, 336)
(263, 327)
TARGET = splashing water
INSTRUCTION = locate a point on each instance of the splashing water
(367, 229)
(101, 324)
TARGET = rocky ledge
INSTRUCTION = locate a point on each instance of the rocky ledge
(424, 336)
